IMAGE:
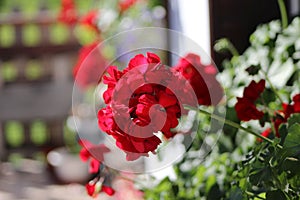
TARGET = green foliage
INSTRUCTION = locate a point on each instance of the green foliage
(240, 167)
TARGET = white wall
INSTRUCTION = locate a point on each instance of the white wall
(194, 18)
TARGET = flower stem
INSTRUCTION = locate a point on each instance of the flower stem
(272, 86)
(283, 13)
(235, 125)
(233, 50)
(225, 44)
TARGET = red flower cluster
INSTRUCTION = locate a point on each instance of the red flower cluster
(245, 107)
(288, 109)
(146, 98)
(126, 4)
(95, 155)
(94, 188)
(92, 153)
(68, 13)
(202, 78)
(90, 20)
(134, 96)
(90, 66)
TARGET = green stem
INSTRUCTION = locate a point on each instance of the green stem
(283, 13)
(225, 44)
(235, 125)
(232, 49)
(272, 86)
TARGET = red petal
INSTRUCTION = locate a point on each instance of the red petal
(152, 58)
(90, 188)
(108, 190)
(94, 166)
(266, 133)
(138, 60)
(246, 110)
(253, 91)
(166, 100)
(84, 154)
(296, 105)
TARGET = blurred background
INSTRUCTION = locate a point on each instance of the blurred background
(40, 47)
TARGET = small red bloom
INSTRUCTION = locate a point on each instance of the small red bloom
(296, 105)
(108, 190)
(288, 109)
(202, 79)
(126, 4)
(90, 66)
(111, 80)
(245, 107)
(94, 153)
(68, 13)
(265, 133)
(90, 188)
(254, 89)
(246, 110)
(93, 191)
(90, 20)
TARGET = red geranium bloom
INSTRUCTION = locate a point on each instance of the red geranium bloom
(296, 105)
(246, 110)
(90, 66)
(254, 89)
(91, 189)
(111, 81)
(281, 116)
(202, 78)
(137, 101)
(94, 153)
(90, 20)
(68, 13)
(288, 109)
(245, 107)
(126, 4)
(265, 133)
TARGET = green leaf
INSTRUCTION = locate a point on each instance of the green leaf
(260, 176)
(175, 189)
(283, 131)
(268, 95)
(211, 180)
(291, 166)
(292, 141)
(294, 119)
(276, 195)
(236, 194)
(164, 185)
(214, 193)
